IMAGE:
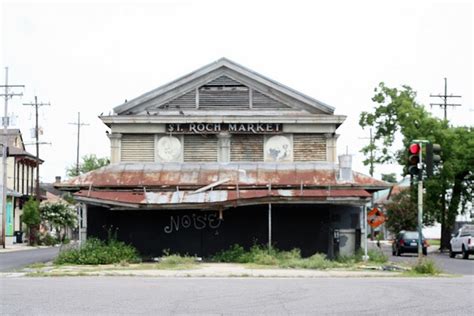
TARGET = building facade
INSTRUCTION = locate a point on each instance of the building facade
(224, 156)
(21, 180)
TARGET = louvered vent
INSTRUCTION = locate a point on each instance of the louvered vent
(246, 148)
(224, 93)
(186, 101)
(223, 81)
(309, 147)
(200, 148)
(138, 148)
(263, 102)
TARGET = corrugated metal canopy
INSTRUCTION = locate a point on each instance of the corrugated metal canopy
(161, 176)
(219, 198)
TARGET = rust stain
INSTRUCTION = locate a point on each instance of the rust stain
(254, 175)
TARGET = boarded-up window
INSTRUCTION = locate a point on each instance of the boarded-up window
(202, 148)
(138, 148)
(246, 148)
(309, 147)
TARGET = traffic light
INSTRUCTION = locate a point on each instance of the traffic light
(432, 157)
(414, 159)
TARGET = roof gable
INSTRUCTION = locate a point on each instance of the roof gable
(224, 72)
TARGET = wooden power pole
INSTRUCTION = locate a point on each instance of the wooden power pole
(79, 124)
(445, 97)
(37, 143)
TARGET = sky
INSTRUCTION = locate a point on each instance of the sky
(89, 56)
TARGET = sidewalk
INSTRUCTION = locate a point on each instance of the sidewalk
(21, 247)
(204, 270)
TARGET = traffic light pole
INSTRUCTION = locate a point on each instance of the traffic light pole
(420, 218)
(420, 198)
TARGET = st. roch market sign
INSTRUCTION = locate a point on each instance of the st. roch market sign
(214, 128)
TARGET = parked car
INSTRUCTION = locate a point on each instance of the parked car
(407, 242)
(463, 242)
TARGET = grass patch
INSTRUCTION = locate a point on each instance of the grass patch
(434, 242)
(176, 262)
(36, 265)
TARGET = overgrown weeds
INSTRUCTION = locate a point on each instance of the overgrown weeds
(261, 255)
(95, 251)
(426, 267)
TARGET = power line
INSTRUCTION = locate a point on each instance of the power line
(445, 97)
(5, 122)
(36, 105)
(79, 124)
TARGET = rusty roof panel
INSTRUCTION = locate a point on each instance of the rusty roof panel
(259, 174)
(217, 197)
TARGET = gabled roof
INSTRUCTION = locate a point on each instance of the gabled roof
(13, 149)
(225, 67)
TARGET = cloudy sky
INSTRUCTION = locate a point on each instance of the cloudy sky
(89, 56)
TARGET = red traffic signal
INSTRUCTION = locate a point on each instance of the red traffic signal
(413, 159)
(414, 149)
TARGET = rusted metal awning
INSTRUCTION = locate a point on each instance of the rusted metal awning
(219, 199)
(191, 176)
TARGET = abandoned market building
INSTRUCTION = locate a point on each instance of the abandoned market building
(224, 156)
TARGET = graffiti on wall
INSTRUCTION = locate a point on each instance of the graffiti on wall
(192, 221)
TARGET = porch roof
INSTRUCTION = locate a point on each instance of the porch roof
(228, 176)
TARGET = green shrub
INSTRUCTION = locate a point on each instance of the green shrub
(95, 251)
(234, 254)
(48, 240)
(426, 266)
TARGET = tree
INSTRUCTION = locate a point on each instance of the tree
(31, 217)
(389, 177)
(402, 212)
(398, 114)
(89, 163)
(60, 216)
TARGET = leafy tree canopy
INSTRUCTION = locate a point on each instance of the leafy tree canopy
(398, 114)
(89, 163)
(59, 215)
(389, 177)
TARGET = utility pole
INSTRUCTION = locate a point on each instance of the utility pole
(371, 172)
(445, 97)
(371, 159)
(444, 232)
(5, 122)
(79, 124)
(36, 105)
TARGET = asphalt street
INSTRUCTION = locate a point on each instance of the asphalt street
(236, 296)
(455, 265)
(16, 259)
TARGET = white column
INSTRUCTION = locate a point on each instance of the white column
(83, 223)
(223, 147)
(115, 146)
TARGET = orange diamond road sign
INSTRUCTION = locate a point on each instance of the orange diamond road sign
(375, 217)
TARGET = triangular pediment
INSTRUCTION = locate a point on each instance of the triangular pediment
(223, 86)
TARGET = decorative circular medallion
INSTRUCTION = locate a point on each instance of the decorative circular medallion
(278, 148)
(169, 148)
